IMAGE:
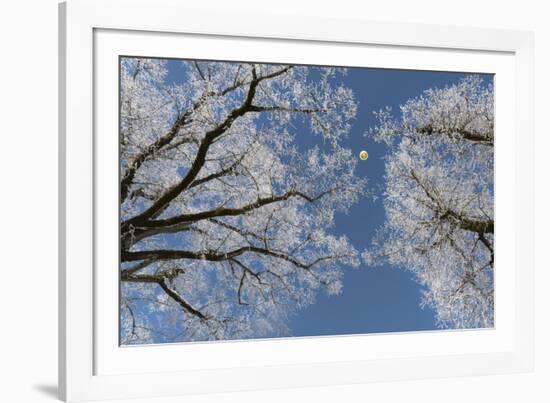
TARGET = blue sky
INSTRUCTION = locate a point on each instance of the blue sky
(382, 298)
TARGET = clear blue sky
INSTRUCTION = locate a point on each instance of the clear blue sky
(374, 299)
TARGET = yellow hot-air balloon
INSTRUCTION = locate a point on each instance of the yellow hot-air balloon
(363, 155)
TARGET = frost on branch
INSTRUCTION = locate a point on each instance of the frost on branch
(439, 199)
(225, 222)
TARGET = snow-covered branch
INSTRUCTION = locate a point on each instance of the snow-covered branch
(225, 224)
(439, 199)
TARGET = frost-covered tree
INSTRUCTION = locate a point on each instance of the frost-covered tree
(439, 199)
(225, 218)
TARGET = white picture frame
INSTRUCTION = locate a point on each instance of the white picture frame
(92, 366)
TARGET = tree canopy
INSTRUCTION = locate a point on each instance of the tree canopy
(225, 223)
(438, 199)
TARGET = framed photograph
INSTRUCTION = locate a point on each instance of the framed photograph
(245, 206)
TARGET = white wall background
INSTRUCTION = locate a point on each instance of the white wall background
(28, 201)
